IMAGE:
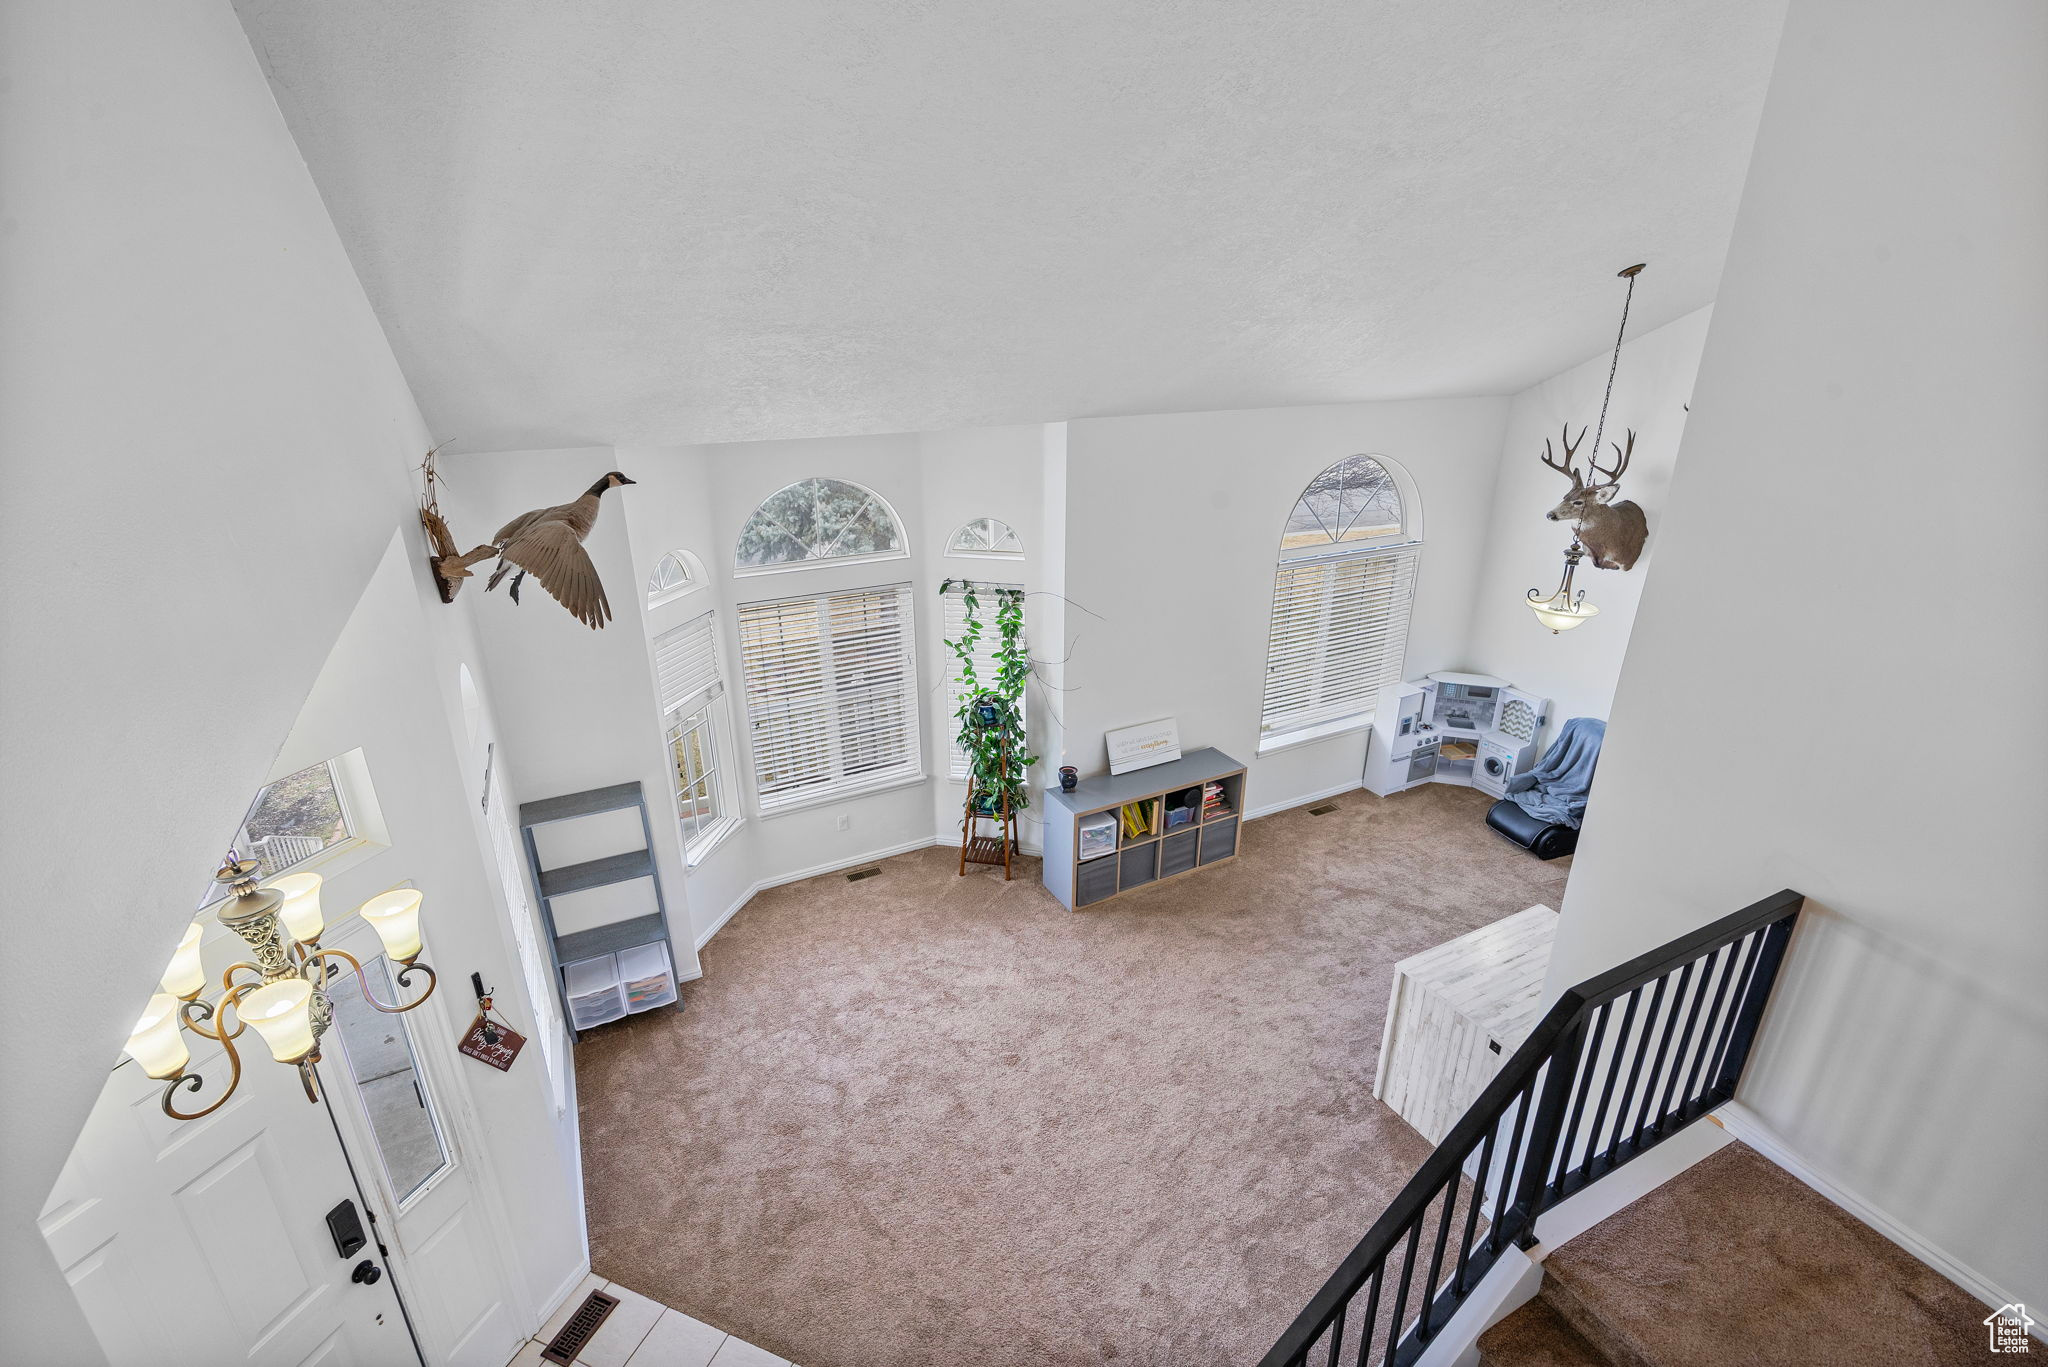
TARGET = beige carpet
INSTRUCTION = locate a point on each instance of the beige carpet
(923, 1119)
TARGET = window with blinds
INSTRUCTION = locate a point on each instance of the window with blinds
(698, 732)
(831, 685)
(954, 608)
(1338, 635)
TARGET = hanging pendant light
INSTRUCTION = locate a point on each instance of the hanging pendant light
(1564, 609)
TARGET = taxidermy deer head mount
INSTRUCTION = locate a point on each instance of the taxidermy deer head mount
(1613, 532)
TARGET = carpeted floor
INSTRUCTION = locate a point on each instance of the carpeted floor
(923, 1119)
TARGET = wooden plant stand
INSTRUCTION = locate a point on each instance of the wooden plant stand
(989, 849)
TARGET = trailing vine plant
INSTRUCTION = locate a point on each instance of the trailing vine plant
(990, 713)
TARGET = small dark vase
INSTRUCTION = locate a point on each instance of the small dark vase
(986, 713)
(985, 804)
(1070, 778)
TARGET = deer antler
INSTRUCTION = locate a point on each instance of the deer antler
(1571, 449)
(1613, 476)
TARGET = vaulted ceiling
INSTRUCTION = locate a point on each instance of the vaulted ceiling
(655, 221)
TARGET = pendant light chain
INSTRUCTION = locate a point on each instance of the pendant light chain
(1615, 364)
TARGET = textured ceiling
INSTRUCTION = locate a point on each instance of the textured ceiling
(651, 221)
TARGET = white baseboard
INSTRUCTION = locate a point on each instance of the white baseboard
(1749, 1127)
(1255, 813)
(561, 1295)
(798, 876)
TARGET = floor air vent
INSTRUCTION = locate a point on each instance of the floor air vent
(575, 1335)
(1323, 810)
(859, 874)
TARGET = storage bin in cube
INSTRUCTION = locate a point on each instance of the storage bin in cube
(1098, 835)
(592, 986)
(645, 976)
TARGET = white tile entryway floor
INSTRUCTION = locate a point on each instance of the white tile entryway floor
(645, 1333)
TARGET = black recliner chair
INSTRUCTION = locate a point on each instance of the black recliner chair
(1544, 839)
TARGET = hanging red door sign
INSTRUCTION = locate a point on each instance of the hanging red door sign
(499, 1049)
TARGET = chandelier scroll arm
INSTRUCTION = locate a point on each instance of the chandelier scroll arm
(192, 1082)
(403, 976)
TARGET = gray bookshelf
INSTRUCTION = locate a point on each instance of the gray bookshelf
(1081, 870)
(606, 972)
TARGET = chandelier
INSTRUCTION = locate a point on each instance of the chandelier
(280, 994)
(1563, 610)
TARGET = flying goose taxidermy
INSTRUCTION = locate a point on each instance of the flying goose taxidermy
(548, 544)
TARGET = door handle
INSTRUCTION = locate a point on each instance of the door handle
(367, 1273)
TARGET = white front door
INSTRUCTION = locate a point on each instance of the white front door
(205, 1242)
(401, 1106)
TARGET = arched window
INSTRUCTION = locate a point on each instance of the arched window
(818, 519)
(1341, 595)
(675, 574)
(987, 537)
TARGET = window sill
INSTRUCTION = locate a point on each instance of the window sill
(841, 795)
(1288, 740)
(698, 850)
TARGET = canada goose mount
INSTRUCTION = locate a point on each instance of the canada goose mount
(546, 543)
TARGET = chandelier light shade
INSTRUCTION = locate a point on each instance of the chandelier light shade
(280, 992)
(282, 1013)
(156, 1043)
(1563, 610)
(301, 910)
(395, 916)
(186, 977)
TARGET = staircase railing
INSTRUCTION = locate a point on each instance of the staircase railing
(1550, 1123)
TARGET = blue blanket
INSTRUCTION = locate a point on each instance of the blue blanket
(1555, 790)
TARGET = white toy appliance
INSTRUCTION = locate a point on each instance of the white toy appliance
(1473, 730)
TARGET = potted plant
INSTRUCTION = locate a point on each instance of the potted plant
(991, 723)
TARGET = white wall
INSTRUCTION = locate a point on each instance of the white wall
(576, 706)
(388, 687)
(1173, 525)
(204, 440)
(1833, 681)
(1577, 670)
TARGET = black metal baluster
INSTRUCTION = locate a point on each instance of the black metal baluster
(1692, 1020)
(1508, 1172)
(1607, 1090)
(1754, 950)
(1436, 1257)
(1372, 1314)
(1657, 1067)
(1586, 1070)
(1769, 955)
(1337, 1333)
(1401, 1296)
(1709, 1030)
(1472, 1210)
(1628, 1093)
(1532, 1189)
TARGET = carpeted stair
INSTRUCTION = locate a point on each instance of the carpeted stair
(1735, 1263)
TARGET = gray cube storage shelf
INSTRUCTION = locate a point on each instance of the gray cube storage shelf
(632, 946)
(1080, 877)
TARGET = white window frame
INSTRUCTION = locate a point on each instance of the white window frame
(806, 721)
(360, 813)
(953, 621)
(902, 551)
(959, 552)
(690, 684)
(705, 712)
(1325, 681)
(693, 578)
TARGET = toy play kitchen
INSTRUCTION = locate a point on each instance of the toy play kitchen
(1472, 730)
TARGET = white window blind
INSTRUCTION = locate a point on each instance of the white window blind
(984, 655)
(1338, 635)
(831, 684)
(686, 661)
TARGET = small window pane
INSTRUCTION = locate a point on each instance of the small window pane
(290, 821)
(1355, 500)
(818, 519)
(671, 575)
(378, 1048)
(987, 536)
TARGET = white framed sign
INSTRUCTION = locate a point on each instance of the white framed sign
(1141, 747)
